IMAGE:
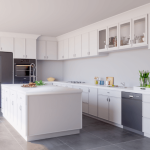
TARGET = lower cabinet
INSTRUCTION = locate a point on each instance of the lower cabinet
(85, 107)
(14, 109)
(93, 101)
(109, 108)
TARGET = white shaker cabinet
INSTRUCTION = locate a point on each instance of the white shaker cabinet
(19, 48)
(41, 49)
(60, 50)
(51, 50)
(6, 44)
(46, 50)
(65, 50)
(93, 101)
(103, 107)
(71, 47)
(115, 110)
(77, 41)
(93, 46)
(85, 44)
(30, 48)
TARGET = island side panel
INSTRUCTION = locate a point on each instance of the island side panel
(54, 113)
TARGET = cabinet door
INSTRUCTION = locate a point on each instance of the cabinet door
(77, 46)
(85, 108)
(41, 50)
(19, 48)
(139, 31)
(103, 42)
(148, 31)
(71, 48)
(31, 48)
(6, 44)
(103, 107)
(93, 101)
(125, 34)
(113, 37)
(115, 110)
(66, 52)
(51, 50)
(60, 50)
(85, 97)
(85, 44)
(93, 38)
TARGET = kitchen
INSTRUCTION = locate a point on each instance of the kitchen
(115, 47)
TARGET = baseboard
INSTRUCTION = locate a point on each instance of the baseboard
(114, 124)
(51, 135)
(147, 135)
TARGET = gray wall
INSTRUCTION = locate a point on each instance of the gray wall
(49, 68)
(123, 66)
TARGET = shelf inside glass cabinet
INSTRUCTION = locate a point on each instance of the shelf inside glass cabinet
(113, 37)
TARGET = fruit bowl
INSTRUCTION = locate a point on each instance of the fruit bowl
(50, 79)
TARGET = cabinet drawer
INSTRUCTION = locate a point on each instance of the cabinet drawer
(85, 108)
(146, 125)
(146, 110)
(109, 93)
(146, 98)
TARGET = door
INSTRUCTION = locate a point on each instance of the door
(85, 44)
(71, 48)
(115, 110)
(30, 48)
(77, 46)
(93, 101)
(113, 37)
(103, 107)
(93, 38)
(66, 52)
(125, 35)
(60, 50)
(6, 44)
(19, 48)
(51, 50)
(103, 42)
(139, 31)
(41, 50)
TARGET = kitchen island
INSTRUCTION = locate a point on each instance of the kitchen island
(42, 112)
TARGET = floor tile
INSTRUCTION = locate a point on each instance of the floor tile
(142, 144)
(118, 138)
(88, 120)
(3, 128)
(76, 137)
(89, 143)
(62, 147)
(109, 147)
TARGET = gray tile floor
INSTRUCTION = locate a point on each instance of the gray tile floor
(95, 135)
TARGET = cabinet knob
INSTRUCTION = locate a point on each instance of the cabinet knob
(47, 56)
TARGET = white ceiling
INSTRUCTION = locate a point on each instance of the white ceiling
(56, 17)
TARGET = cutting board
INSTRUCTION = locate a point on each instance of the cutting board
(111, 80)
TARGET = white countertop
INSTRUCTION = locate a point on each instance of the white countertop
(40, 90)
(128, 89)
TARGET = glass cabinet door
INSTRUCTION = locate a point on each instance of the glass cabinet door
(102, 39)
(139, 34)
(113, 37)
(125, 34)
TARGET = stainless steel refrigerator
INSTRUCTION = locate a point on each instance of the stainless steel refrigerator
(6, 69)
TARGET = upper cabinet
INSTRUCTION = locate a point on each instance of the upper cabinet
(85, 44)
(46, 50)
(71, 48)
(63, 49)
(6, 44)
(22, 45)
(77, 46)
(139, 31)
(24, 48)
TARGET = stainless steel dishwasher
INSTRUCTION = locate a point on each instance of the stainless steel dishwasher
(132, 112)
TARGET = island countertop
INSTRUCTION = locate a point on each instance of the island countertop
(39, 90)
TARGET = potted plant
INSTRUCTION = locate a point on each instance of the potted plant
(144, 76)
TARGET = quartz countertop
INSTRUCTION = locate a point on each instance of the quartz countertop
(40, 90)
(127, 89)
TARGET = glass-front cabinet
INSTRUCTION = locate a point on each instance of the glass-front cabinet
(125, 34)
(139, 31)
(113, 37)
(103, 39)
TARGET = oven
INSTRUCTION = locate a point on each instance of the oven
(24, 70)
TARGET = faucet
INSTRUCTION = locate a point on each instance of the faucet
(123, 83)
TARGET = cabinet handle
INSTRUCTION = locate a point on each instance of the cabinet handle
(107, 92)
(1, 48)
(89, 53)
(47, 56)
(20, 107)
(89, 90)
(26, 56)
(12, 102)
(109, 99)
